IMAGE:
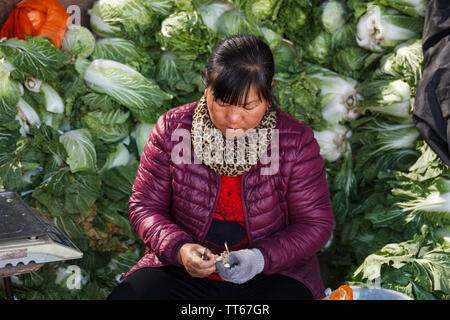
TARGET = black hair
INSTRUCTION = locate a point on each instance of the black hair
(235, 64)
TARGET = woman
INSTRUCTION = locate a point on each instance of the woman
(222, 191)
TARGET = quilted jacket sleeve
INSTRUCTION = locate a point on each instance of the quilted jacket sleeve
(309, 209)
(149, 204)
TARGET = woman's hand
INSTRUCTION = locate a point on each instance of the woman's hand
(243, 265)
(198, 260)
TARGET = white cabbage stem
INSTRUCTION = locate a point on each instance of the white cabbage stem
(374, 31)
(8, 65)
(418, 5)
(33, 84)
(28, 174)
(22, 90)
(53, 101)
(28, 115)
(434, 202)
(339, 98)
(395, 137)
(400, 110)
(333, 142)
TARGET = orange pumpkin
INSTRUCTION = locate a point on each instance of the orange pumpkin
(344, 292)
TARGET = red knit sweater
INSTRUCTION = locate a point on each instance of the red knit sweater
(228, 220)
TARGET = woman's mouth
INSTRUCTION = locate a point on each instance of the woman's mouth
(233, 132)
(233, 129)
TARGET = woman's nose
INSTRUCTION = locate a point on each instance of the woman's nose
(234, 115)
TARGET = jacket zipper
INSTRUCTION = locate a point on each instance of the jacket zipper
(244, 207)
(214, 210)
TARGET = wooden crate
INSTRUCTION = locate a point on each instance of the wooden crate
(7, 5)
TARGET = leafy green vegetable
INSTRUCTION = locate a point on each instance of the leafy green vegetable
(33, 84)
(74, 123)
(131, 19)
(262, 9)
(118, 182)
(15, 161)
(126, 52)
(381, 28)
(385, 136)
(36, 57)
(287, 57)
(120, 157)
(319, 48)
(52, 100)
(339, 97)
(28, 116)
(211, 13)
(404, 62)
(234, 22)
(184, 31)
(179, 74)
(128, 87)
(299, 96)
(333, 142)
(295, 17)
(9, 93)
(80, 150)
(163, 7)
(65, 193)
(142, 135)
(413, 8)
(79, 41)
(109, 126)
(100, 26)
(389, 98)
(333, 16)
(415, 267)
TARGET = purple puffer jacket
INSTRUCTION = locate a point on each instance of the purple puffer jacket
(288, 214)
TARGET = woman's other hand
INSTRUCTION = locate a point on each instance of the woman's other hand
(198, 260)
(243, 265)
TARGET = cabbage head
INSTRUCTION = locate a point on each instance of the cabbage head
(79, 41)
(184, 31)
(109, 126)
(134, 19)
(404, 62)
(100, 26)
(142, 135)
(80, 150)
(119, 157)
(262, 9)
(333, 15)
(333, 141)
(211, 12)
(127, 87)
(9, 93)
(235, 22)
(124, 51)
(381, 28)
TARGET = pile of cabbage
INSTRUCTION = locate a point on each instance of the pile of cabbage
(75, 120)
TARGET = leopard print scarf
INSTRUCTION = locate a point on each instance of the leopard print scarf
(230, 157)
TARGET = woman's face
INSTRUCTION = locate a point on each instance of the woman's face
(233, 121)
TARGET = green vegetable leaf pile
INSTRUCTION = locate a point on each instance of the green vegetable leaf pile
(74, 123)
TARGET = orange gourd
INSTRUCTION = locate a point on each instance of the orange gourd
(32, 18)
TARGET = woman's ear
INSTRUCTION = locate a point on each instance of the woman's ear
(273, 82)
